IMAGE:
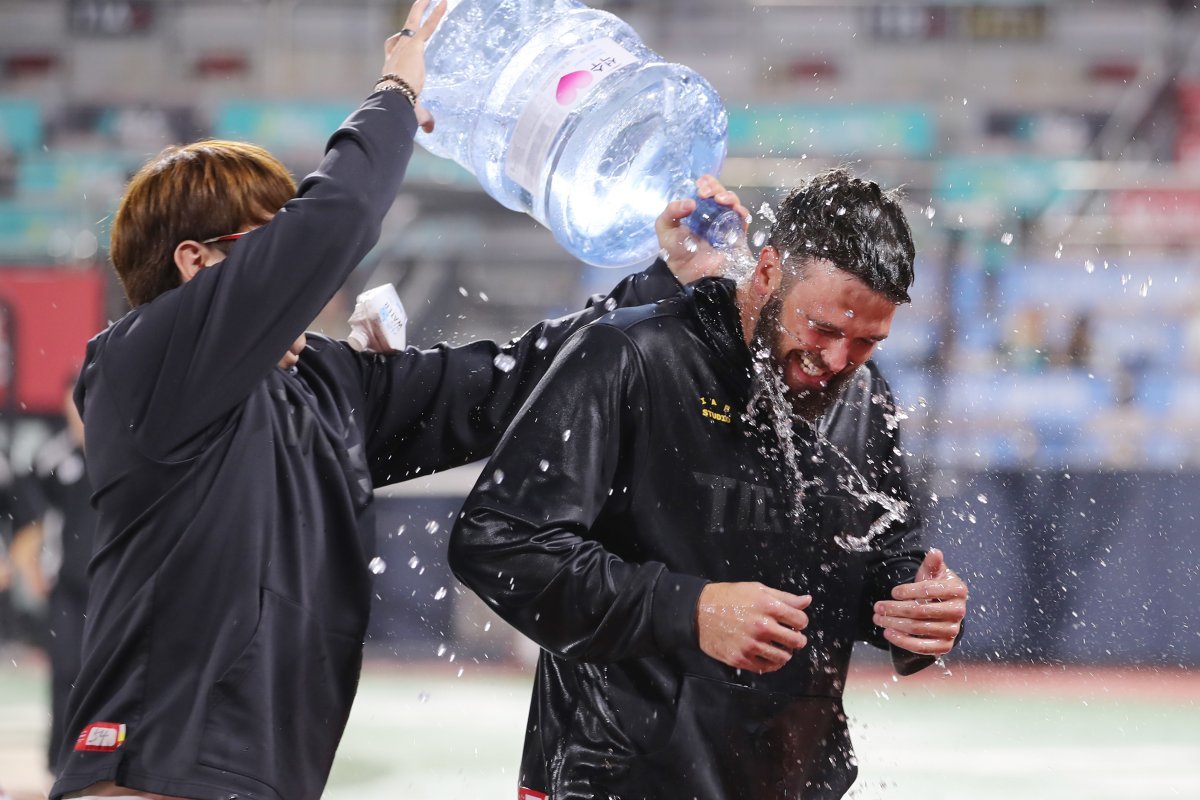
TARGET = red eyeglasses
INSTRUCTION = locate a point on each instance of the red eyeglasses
(229, 237)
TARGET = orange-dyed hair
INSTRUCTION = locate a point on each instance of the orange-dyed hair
(195, 191)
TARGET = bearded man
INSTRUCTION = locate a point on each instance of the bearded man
(700, 509)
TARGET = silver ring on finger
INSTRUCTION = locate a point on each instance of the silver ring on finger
(407, 32)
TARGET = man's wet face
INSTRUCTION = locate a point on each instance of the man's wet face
(818, 331)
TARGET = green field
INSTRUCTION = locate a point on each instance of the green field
(422, 733)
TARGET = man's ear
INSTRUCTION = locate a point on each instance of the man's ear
(768, 272)
(190, 258)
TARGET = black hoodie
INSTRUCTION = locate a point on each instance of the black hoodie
(229, 586)
(632, 477)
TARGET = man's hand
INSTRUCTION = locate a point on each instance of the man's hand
(925, 616)
(404, 54)
(689, 256)
(751, 626)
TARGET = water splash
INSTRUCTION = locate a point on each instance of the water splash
(766, 212)
(770, 410)
(504, 362)
(769, 398)
(377, 566)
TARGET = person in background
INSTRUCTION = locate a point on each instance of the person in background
(59, 536)
(703, 505)
(233, 457)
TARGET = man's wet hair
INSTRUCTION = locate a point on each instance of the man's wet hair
(851, 223)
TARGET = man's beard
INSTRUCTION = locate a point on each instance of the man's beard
(810, 404)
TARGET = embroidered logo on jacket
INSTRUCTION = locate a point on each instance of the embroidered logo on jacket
(103, 737)
(711, 408)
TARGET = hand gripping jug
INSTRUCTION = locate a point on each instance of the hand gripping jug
(560, 111)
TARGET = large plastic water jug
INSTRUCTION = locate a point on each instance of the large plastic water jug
(561, 111)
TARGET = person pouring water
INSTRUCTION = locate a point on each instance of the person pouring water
(233, 456)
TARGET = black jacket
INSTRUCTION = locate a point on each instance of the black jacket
(631, 478)
(229, 586)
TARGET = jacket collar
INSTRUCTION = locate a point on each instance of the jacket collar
(713, 301)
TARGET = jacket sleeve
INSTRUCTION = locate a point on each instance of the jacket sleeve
(431, 409)
(897, 553)
(183, 361)
(524, 541)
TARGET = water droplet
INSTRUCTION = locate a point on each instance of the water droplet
(1144, 289)
(1007, 238)
(431, 526)
(377, 566)
(543, 465)
(504, 362)
(841, 212)
(1089, 267)
(766, 212)
(422, 697)
(440, 593)
(498, 476)
(982, 498)
(414, 562)
(609, 304)
(759, 238)
(462, 290)
(567, 435)
(441, 651)
(850, 313)
(542, 343)
(930, 212)
(690, 245)
(483, 296)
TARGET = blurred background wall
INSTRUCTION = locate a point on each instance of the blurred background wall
(1049, 367)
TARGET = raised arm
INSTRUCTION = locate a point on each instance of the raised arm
(437, 408)
(185, 359)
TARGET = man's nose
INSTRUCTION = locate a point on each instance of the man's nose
(836, 356)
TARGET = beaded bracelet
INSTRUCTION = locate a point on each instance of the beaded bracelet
(396, 84)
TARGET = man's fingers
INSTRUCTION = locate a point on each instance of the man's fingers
(932, 566)
(926, 629)
(707, 186)
(415, 12)
(800, 601)
(788, 616)
(431, 24)
(765, 653)
(953, 610)
(916, 644)
(424, 118)
(677, 210)
(930, 590)
(788, 638)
